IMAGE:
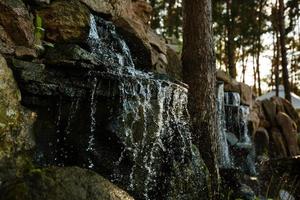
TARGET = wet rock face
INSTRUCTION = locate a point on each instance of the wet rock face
(95, 110)
(78, 184)
(149, 51)
(65, 21)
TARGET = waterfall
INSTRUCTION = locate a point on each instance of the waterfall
(130, 126)
(107, 47)
(224, 156)
(237, 127)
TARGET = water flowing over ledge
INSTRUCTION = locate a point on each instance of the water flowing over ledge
(95, 110)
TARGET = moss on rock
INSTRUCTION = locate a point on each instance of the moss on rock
(62, 184)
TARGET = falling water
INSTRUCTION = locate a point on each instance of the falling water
(224, 157)
(91, 138)
(146, 122)
(107, 47)
(155, 113)
(244, 112)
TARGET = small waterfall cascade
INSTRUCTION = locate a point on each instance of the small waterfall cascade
(223, 149)
(130, 126)
(241, 148)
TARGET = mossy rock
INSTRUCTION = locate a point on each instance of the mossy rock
(15, 126)
(67, 183)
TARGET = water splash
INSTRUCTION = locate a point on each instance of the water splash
(107, 47)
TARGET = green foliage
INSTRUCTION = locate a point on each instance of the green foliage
(39, 32)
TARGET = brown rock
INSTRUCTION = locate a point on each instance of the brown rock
(222, 76)
(143, 10)
(149, 51)
(65, 21)
(61, 184)
(270, 111)
(22, 51)
(289, 129)
(290, 110)
(6, 43)
(246, 94)
(279, 143)
(15, 19)
(174, 64)
(261, 141)
(113, 8)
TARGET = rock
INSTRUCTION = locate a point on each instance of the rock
(246, 94)
(290, 110)
(6, 43)
(231, 85)
(15, 126)
(261, 142)
(22, 51)
(231, 138)
(279, 143)
(270, 111)
(29, 71)
(285, 195)
(68, 54)
(222, 76)
(113, 8)
(62, 184)
(174, 68)
(289, 129)
(65, 21)
(16, 21)
(149, 51)
(255, 116)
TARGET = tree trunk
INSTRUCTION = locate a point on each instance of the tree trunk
(199, 72)
(259, 46)
(230, 41)
(277, 81)
(285, 73)
(254, 74)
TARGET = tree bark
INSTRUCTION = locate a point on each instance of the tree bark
(277, 81)
(259, 46)
(230, 41)
(199, 72)
(284, 63)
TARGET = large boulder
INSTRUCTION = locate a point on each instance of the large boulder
(289, 129)
(15, 126)
(279, 143)
(65, 21)
(261, 141)
(62, 184)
